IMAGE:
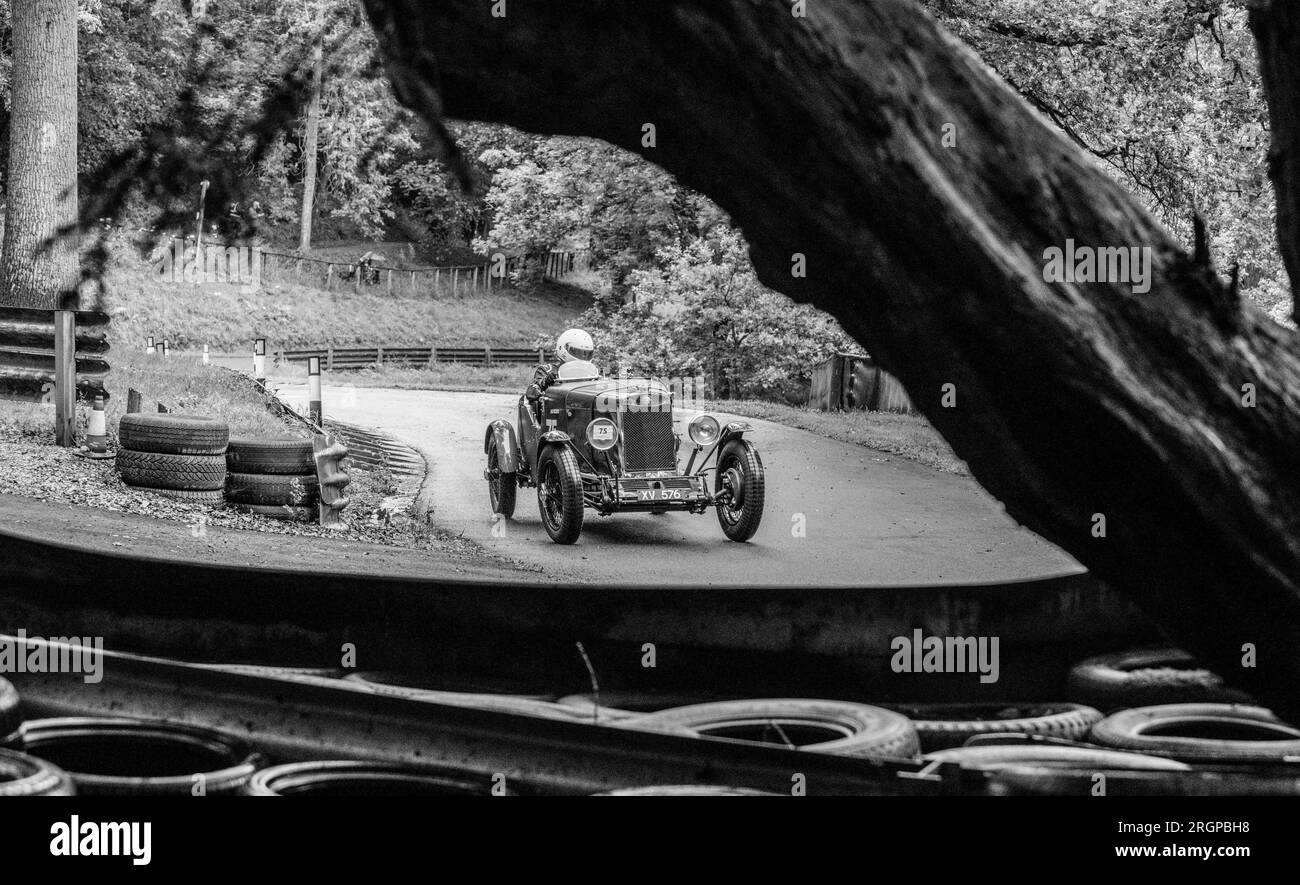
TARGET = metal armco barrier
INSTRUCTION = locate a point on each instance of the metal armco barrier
(53, 356)
(340, 359)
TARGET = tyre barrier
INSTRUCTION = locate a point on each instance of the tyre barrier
(941, 726)
(1081, 758)
(838, 727)
(23, 775)
(179, 456)
(271, 456)
(140, 757)
(348, 779)
(1147, 677)
(272, 489)
(11, 716)
(167, 433)
(1201, 733)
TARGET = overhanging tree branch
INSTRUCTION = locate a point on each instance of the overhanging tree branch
(826, 136)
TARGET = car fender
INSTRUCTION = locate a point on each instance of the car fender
(554, 436)
(507, 444)
(733, 430)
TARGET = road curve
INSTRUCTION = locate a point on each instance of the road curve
(867, 518)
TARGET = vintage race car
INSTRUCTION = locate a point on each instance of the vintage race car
(610, 445)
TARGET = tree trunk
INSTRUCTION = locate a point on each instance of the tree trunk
(1276, 26)
(923, 194)
(41, 190)
(312, 134)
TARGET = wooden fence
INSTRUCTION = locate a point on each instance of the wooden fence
(180, 261)
(352, 358)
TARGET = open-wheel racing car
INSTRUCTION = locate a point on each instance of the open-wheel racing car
(610, 445)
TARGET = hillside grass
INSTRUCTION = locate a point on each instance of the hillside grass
(182, 384)
(907, 436)
(445, 376)
(227, 317)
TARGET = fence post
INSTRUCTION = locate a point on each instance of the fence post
(437, 275)
(356, 278)
(433, 356)
(487, 357)
(390, 281)
(455, 280)
(329, 357)
(329, 275)
(412, 282)
(541, 355)
(133, 398)
(65, 378)
(379, 356)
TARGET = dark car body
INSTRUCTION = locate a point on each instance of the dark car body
(640, 471)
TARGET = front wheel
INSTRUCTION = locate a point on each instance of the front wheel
(559, 494)
(740, 480)
(502, 485)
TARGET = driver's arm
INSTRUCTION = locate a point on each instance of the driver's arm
(543, 377)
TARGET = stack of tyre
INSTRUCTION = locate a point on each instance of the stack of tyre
(180, 456)
(273, 477)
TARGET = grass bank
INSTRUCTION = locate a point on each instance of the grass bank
(907, 436)
(227, 317)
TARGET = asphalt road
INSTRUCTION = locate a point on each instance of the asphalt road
(868, 518)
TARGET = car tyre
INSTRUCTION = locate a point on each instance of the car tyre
(277, 456)
(168, 433)
(1201, 733)
(501, 490)
(24, 775)
(559, 494)
(851, 729)
(273, 489)
(942, 726)
(740, 467)
(183, 473)
(1148, 677)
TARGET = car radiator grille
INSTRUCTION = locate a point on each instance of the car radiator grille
(648, 441)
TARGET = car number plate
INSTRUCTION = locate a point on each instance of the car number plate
(660, 494)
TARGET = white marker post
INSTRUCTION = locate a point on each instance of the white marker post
(259, 360)
(167, 347)
(206, 358)
(149, 346)
(315, 413)
(97, 429)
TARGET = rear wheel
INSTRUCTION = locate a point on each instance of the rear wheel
(559, 494)
(740, 475)
(502, 485)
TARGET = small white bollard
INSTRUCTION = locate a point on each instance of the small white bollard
(315, 413)
(167, 347)
(149, 346)
(97, 429)
(206, 359)
(259, 359)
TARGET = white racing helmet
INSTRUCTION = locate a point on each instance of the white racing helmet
(575, 344)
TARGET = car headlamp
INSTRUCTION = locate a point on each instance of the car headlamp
(703, 430)
(602, 433)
